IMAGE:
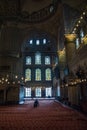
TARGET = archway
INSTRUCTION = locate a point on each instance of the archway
(39, 53)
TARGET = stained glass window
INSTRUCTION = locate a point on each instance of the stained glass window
(28, 75)
(48, 74)
(47, 60)
(37, 58)
(28, 60)
(38, 75)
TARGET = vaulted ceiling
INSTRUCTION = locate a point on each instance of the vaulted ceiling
(76, 4)
(34, 5)
(72, 9)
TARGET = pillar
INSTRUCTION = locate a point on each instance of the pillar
(70, 47)
(62, 62)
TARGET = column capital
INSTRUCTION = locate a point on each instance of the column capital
(70, 37)
(85, 39)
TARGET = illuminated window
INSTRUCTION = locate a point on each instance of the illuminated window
(56, 60)
(47, 60)
(37, 42)
(51, 8)
(77, 43)
(48, 92)
(31, 41)
(27, 92)
(81, 33)
(38, 92)
(28, 75)
(37, 58)
(38, 75)
(48, 74)
(44, 41)
(58, 91)
(28, 60)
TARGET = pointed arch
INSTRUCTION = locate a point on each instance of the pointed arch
(38, 74)
(48, 74)
(28, 74)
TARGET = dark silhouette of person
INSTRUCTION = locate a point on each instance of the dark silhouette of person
(36, 103)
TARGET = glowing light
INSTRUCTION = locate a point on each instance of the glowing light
(83, 13)
(16, 76)
(79, 21)
(6, 80)
(2, 78)
(81, 17)
(77, 25)
(18, 81)
(74, 29)
(22, 78)
(73, 32)
(13, 82)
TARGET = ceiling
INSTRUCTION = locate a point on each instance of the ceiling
(34, 5)
(72, 8)
(76, 4)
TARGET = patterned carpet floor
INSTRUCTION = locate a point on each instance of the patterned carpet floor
(49, 115)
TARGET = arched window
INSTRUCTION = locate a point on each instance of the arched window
(28, 75)
(37, 42)
(44, 41)
(37, 58)
(77, 43)
(48, 74)
(38, 75)
(28, 60)
(81, 33)
(47, 60)
(31, 41)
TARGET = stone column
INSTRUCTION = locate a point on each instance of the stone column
(73, 94)
(62, 62)
(70, 47)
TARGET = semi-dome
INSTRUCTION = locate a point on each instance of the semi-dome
(34, 5)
